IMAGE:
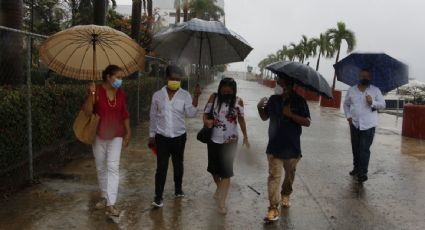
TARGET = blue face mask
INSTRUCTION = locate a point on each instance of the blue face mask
(117, 83)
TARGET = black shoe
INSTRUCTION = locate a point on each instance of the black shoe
(362, 178)
(179, 194)
(354, 172)
(157, 203)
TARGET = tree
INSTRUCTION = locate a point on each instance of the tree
(11, 63)
(205, 9)
(136, 17)
(282, 53)
(324, 47)
(298, 52)
(290, 54)
(48, 16)
(177, 4)
(99, 12)
(185, 10)
(336, 36)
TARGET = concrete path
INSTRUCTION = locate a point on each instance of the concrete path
(325, 196)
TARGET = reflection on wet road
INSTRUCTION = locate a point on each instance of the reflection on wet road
(325, 196)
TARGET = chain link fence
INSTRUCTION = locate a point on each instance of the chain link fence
(38, 108)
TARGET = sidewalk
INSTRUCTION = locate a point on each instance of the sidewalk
(325, 196)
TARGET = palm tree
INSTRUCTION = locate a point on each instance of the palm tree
(177, 5)
(290, 54)
(281, 54)
(11, 63)
(185, 10)
(205, 9)
(136, 17)
(297, 52)
(336, 36)
(324, 47)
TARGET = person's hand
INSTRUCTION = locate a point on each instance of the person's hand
(369, 100)
(246, 142)
(151, 143)
(350, 120)
(209, 123)
(287, 111)
(197, 91)
(127, 139)
(262, 103)
(91, 88)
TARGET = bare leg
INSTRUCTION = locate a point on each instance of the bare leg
(224, 189)
(216, 181)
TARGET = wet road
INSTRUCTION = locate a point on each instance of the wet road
(325, 196)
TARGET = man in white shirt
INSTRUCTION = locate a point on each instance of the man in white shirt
(167, 130)
(360, 107)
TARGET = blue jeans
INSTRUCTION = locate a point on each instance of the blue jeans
(361, 140)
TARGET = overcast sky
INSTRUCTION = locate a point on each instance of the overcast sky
(396, 27)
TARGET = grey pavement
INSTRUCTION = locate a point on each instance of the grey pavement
(325, 196)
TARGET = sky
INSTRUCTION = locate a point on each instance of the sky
(396, 27)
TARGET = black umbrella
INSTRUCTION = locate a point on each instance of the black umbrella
(303, 75)
(200, 42)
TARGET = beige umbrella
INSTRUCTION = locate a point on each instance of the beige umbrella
(83, 52)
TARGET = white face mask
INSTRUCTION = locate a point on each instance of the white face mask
(278, 90)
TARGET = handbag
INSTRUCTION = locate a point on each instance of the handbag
(204, 135)
(85, 127)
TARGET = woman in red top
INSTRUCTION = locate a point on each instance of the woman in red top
(108, 101)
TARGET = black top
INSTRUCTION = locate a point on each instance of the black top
(284, 133)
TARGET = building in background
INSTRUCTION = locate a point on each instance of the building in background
(163, 9)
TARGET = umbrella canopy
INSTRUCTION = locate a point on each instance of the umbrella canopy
(303, 75)
(387, 72)
(83, 52)
(200, 42)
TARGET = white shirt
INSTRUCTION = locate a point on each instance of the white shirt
(167, 117)
(225, 124)
(357, 108)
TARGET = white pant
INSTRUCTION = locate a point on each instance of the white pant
(107, 156)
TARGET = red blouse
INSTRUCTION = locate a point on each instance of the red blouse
(112, 114)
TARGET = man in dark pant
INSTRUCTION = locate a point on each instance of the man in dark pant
(167, 147)
(361, 140)
(167, 129)
(360, 108)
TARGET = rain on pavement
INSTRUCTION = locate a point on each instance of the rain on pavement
(325, 196)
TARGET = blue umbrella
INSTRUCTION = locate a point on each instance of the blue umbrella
(387, 72)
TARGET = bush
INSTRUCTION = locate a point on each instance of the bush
(54, 109)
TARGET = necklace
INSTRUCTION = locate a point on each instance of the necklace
(112, 104)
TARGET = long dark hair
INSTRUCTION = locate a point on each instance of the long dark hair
(110, 70)
(227, 82)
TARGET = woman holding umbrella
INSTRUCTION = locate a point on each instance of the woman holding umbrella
(228, 111)
(108, 101)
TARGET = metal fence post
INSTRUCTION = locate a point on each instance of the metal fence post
(29, 114)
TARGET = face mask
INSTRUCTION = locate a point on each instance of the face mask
(117, 84)
(278, 90)
(173, 85)
(227, 97)
(365, 82)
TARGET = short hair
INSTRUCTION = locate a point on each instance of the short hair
(366, 70)
(173, 69)
(110, 70)
(287, 79)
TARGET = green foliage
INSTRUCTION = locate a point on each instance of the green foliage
(205, 9)
(54, 109)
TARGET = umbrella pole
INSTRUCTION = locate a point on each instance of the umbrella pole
(94, 40)
(199, 61)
